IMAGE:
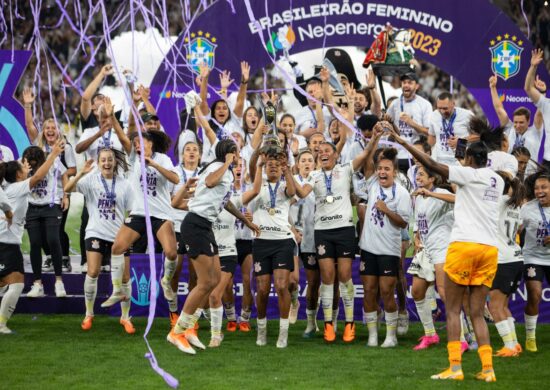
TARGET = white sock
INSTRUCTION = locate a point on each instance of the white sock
(196, 315)
(512, 325)
(504, 332)
(310, 320)
(90, 292)
(425, 314)
(184, 322)
(431, 297)
(245, 315)
(283, 324)
(9, 301)
(117, 269)
(347, 292)
(327, 295)
(391, 323)
(126, 289)
(169, 269)
(216, 315)
(262, 323)
(294, 296)
(371, 319)
(173, 304)
(230, 311)
(531, 326)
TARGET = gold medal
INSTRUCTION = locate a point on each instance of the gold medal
(330, 199)
(271, 211)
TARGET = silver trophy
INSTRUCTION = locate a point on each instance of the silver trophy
(270, 119)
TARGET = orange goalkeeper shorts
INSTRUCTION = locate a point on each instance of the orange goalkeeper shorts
(471, 264)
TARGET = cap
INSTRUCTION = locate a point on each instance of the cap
(409, 76)
(148, 116)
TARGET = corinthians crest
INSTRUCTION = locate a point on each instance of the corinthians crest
(200, 49)
(506, 56)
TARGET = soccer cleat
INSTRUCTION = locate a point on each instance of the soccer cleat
(402, 324)
(231, 326)
(191, 336)
(531, 345)
(329, 335)
(128, 326)
(47, 266)
(486, 376)
(84, 268)
(463, 347)
(215, 342)
(389, 342)
(449, 374)
(518, 348)
(115, 298)
(293, 314)
(180, 342)
(507, 352)
(244, 326)
(3, 289)
(349, 332)
(261, 338)
(5, 330)
(426, 341)
(87, 323)
(173, 319)
(60, 290)
(66, 264)
(169, 294)
(373, 340)
(282, 341)
(37, 291)
(309, 334)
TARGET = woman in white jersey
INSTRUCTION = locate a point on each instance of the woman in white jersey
(44, 216)
(388, 212)
(18, 186)
(535, 216)
(211, 197)
(108, 198)
(335, 239)
(510, 265)
(433, 212)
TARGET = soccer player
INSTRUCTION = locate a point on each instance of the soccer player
(535, 215)
(17, 190)
(471, 260)
(108, 198)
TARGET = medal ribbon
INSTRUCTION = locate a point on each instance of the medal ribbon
(447, 126)
(273, 193)
(383, 196)
(328, 182)
(545, 222)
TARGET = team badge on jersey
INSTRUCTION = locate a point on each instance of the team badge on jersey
(321, 250)
(200, 48)
(95, 244)
(257, 267)
(531, 272)
(311, 260)
(506, 56)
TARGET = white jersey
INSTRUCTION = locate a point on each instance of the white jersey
(106, 214)
(276, 226)
(502, 161)
(306, 119)
(178, 215)
(224, 230)
(338, 213)
(242, 232)
(476, 204)
(233, 125)
(302, 213)
(5, 154)
(509, 221)
(531, 139)
(534, 250)
(17, 194)
(358, 145)
(456, 126)
(50, 188)
(433, 220)
(209, 202)
(544, 106)
(158, 189)
(68, 157)
(379, 235)
(109, 138)
(419, 109)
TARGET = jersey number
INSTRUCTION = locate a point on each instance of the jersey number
(511, 231)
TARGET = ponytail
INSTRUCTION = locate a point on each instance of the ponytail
(518, 190)
(8, 171)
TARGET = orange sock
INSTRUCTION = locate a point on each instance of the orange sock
(486, 356)
(455, 357)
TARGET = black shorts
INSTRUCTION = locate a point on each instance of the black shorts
(378, 265)
(310, 261)
(11, 259)
(244, 248)
(99, 245)
(536, 272)
(197, 237)
(228, 264)
(36, 215)
(335, 243)
(137, 223)
(508, 277)
(269, 255)
(181, 248)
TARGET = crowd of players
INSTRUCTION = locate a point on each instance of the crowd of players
(272, 199)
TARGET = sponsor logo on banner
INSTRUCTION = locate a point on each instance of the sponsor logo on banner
(506, 56)
(200, 49)
(141, 289)
(283, 39)
(508, 98)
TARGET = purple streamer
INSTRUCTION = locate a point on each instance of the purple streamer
(451, 84)
(526, 21)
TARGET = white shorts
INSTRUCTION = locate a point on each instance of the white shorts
(437, 256)
(422, 267)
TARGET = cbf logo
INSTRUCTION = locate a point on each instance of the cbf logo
(141, 289)
(506, 56)
(200, 50)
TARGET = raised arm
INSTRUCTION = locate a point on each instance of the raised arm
(28, 101)
(497, 104)
(214, 178)
(168, 174)
(45, 167)
(230, 207)
(202, 122)
(257, 184)
(110, 112)
(367, 155)
(145, 93)
(245, 75)
(540, 85)
(86, 101)
(204, 73)
(71, 184)
(376, 101)
(536, 58)
(289, 179)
